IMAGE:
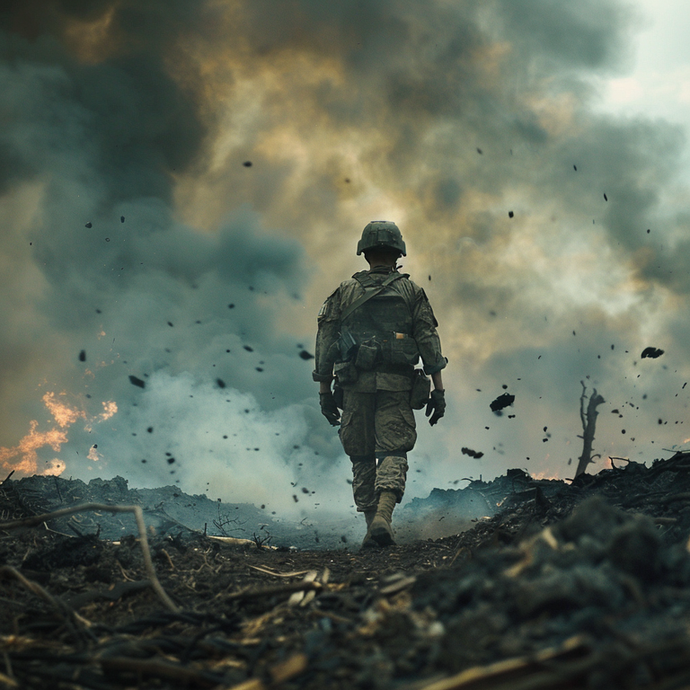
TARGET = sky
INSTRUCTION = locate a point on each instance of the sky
(183, 182)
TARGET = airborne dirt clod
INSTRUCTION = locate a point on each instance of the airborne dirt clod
(578, 585)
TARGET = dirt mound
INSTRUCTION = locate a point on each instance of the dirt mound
(566, 585)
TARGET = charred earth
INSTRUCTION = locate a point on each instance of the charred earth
(558, 585)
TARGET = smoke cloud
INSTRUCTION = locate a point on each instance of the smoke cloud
(182, 183)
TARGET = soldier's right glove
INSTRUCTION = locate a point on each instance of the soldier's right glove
(437, 405)
(329, 409)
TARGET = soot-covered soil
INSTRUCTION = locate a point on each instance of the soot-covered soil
(566, 586)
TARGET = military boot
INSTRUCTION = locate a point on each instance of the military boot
(381, 531)
(369, 517)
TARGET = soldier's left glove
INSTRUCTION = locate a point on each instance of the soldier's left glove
(437, 405)
(329, 409)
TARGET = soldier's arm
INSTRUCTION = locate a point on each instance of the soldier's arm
(426, 336)
(326, 339)
(437, 380)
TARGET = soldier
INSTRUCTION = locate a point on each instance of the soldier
(372, 331)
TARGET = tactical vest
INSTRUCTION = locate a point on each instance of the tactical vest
(381, 331)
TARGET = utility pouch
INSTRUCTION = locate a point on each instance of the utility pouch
(346, 373)
(403, 350)
(421, 389)
(338, 395)
(367, 355)
(347, 345)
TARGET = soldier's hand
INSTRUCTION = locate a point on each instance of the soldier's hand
(329, 409)
(437, 405)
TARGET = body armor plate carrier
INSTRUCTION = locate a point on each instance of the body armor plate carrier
(378, 334)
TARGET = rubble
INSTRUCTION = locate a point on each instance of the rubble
(560, 585)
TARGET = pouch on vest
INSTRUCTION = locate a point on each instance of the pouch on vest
(367, 355)
(346, 373)
(346, 345)
(403, 349)
(421, 389)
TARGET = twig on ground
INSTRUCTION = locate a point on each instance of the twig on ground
(143, 540)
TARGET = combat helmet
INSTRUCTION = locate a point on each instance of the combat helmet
(379, 234)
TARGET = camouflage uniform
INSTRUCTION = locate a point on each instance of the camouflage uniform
(377, 421)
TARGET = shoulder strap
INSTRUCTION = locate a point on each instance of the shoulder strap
(368, 295)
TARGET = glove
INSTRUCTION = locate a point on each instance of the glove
(329, 409)
(437, 405)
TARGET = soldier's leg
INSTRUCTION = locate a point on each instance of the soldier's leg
(395, 435)
(357, 435)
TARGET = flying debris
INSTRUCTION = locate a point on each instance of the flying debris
(136, 381)
(122, 219)
(501, 402)
(305, 355)
(575, 167)
(220, 383)
(247, 164)
(605, 197)
(248, 348)
(472, 453)
(89, 225)
(510, 214)
(82, 356)
(479, 151)
(651, 352)
(231, 306)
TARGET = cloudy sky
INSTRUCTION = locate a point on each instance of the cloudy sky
(182, 183)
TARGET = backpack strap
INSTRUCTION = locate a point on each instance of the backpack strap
(369, 294)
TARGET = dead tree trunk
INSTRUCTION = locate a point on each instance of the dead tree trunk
(589, 422)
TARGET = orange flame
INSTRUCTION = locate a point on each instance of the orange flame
(26, 449)
(94, 454)
(63, 415)
(545, 475)
(23, 458)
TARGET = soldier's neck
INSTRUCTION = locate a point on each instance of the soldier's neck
(381, 267)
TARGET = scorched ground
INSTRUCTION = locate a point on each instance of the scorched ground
(582, 585)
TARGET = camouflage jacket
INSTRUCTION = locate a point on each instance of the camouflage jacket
(423, 331)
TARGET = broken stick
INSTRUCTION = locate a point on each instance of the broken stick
(143, 540)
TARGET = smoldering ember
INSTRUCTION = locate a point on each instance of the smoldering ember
(536, 584)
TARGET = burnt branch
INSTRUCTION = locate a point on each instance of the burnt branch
(589, 423)
(143, 540)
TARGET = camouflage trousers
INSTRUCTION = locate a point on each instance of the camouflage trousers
(377, 429)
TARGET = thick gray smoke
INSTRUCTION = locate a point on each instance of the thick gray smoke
(162, 161)
(110, 299)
